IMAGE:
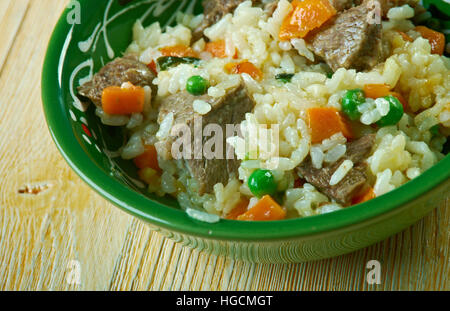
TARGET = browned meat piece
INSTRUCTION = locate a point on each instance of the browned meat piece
(271, 7)
(115, 73)
(358, 150)
(339, 5)
(230, 109)
(350, 41)
(342, 5)
(352, 183)
(214, 10)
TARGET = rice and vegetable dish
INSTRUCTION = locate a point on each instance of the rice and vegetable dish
(266, 110)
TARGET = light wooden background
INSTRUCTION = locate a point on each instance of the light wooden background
(46, 239)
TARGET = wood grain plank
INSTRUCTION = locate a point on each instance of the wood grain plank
(185, 254)
(41, 235)
(12, 13)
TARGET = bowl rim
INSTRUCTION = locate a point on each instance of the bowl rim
(176, 220)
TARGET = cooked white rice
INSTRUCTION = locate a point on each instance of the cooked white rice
(401, 152)
(341, 172)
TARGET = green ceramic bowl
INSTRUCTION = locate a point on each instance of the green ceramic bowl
(91, 33)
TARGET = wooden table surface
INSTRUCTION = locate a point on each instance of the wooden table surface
(68, 238)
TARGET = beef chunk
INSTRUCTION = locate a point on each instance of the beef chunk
(214, 10)
(352, 183)
(385, 5)
(229, 109)
(358, 150)
(271, 7)
(115, 73)
(339, 5)
(350, 41)
(342, 5)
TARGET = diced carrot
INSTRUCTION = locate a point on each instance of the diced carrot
(149, 159)
(325, 122)
(178, 51)
(436, 39)
(218, 49)
(118, 100)
(405, 36)
(381, 90)
(239, 209)
(231, 68)
(250, 69)
(376, 90)
(366, 195)
(265, 209)
(346, 129)
(306, 16)
(244, 67)
(152, 67)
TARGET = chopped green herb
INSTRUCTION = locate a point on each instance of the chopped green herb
(284, 77)
(166, 62)
(330, 75)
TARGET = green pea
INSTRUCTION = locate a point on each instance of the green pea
(395, 112)
(262, 182)
(197, 85)
(350, 102)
